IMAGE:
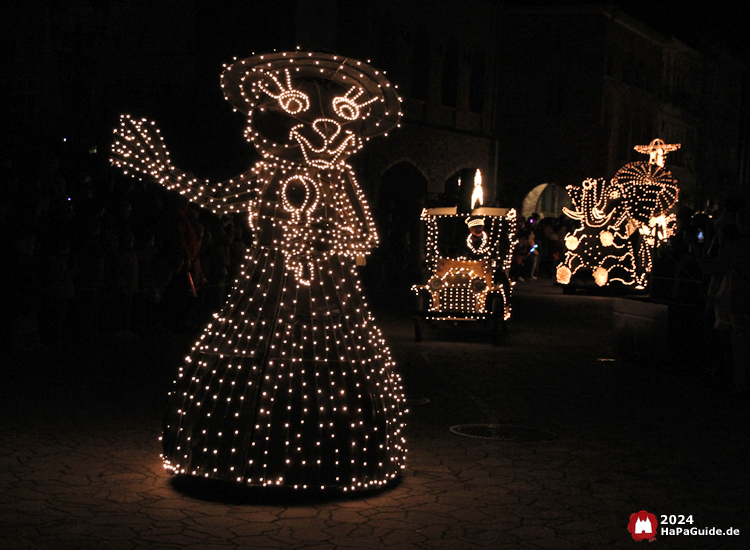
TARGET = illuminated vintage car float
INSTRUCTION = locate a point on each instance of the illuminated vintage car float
(468, 256)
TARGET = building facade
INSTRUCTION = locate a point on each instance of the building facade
(77, 65)
(532, 96)
(442, 56)
(580, 87)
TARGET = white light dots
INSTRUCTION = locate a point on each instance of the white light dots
(291, 384)
(464, 283)
(621, 221)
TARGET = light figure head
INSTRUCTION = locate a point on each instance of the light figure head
(476, 225)
(310, 108)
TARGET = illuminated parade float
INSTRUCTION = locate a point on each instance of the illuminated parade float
(292, 383)
(621, 222)
(468, 255)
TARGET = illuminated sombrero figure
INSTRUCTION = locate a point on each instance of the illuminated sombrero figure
(291, 384)
(621, 221)
(657, 151)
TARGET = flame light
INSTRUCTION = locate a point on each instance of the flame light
(477, 195)
(292, 384)
(621, 221)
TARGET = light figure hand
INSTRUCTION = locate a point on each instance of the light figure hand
(138, 147)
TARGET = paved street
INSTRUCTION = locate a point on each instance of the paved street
(604, 438)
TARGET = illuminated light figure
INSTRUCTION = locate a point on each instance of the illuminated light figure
(291, 384)
(621, 221)
(657, 151)
(476, 231)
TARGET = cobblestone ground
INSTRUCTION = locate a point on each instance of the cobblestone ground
(80, 467)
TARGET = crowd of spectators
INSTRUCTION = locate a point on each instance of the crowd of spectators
(703, 273)
(540, 246)
(90, 253)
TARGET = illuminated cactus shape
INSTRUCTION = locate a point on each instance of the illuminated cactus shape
(621, 221)
(292, 383)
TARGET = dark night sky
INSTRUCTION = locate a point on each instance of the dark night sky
(699, 24)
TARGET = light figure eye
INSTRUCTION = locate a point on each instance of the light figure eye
(294, 102)
(346, 108)
(291, 100)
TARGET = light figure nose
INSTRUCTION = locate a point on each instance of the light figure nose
(327, 128)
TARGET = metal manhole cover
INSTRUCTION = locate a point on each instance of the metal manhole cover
(503, 432)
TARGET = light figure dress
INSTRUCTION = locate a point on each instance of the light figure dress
(291, 384)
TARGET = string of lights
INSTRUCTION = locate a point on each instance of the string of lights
(463, 282)
(291, 384)
(621, 221)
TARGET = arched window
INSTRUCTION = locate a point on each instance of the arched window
(546, 199)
